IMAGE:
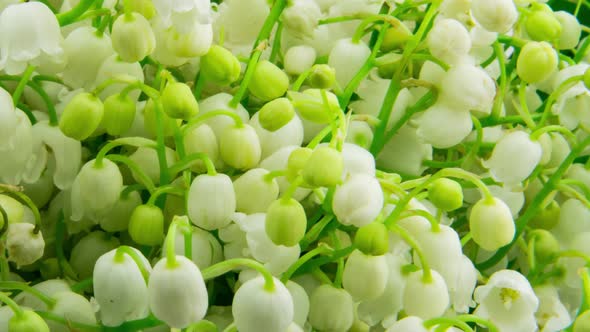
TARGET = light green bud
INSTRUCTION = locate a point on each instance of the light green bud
(331, 309)
(322, 76)
(150, 123)
(239, 147)
(491, 224)
(144, 7)
(297, 161)
(29, 321)
(285, 222)
(119, 114)
(268, 82)
(275, 114)
(536, 62)
(546, 245)
(82, 116)
(220, 66)
(132, 37)
(178, 101)
(146, 226)
(541, 24)
(395, 37)
(201, 139)
(372, 239)
(324, 167)
(446, 194)
(546, 218)
(13, 208)
(312, 107)
(87, 251)
(582, 322)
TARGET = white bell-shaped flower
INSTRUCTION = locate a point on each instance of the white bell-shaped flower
(552, 315)
(202, 139)
(221, 101)
(298, 59)
(211, 201)
(408, 324)
(241, 21)
(574, 218)
(47, 287)
(256, 308)
(132, 37)
(24, 246)
(331, 309)
(508, 301)
(365, 277)
(71, 306)
(449, 41)
(443, 125)
(357, 160)
(425, 298)
(255, 193)
(570, 30)
(119, 288)
(17, 150)
(411, 146)
(347, 58)
(205, 248)
(302, 17)
(30, 35)
(358, 201)
(497, 16)
(467, 87)
(8, 120)
(300, 302)
(514, 158)
(182, 13)
(462, 295)
(114, 66)
(270, 141)
(177, 293)
(147, 160)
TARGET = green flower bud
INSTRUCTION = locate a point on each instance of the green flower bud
(546, 245)
(275, 114)
(87, 251)
(297, 161)
(372, 239)
(324, 167)
(536, 62)
(178, 101)
(582, 322)
(132, 37)
(311, 105)
(82, 116)
(239, 147)
(285, 222)
(395, 37)
(546, 218)
(491, 224)
(220, 66)
(13, 208)
(587, 78)
(541, 24)
(268, 82)
(322, 76)
(119, 114)
(202, 139)
(446, 194)
(29, 321)
(146, 225)
(149, 114)
(144, 7)
(331, 309)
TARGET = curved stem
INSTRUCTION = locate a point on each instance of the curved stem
(320, 250)
(192, 159)
(523, 111)
(478, 320)
(20, 88)
(405, 235)
(24, 199)
(231, 264)
(72, 15)
(15, 285)
(168, 189)
(319, 137)
(202, 117)
(132, 141)
(447, 321)
(563, 87)
(18, 311)
(143, 178)
(499, 99)
(553, 128)
(62, 320)
(315, 231)
(435, 227)
(126, 250)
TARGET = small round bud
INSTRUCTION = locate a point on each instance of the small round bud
(324, 167)
(29, 321)
(546, 245)
(81, 116)
(239, 147)
(491, 224)
(119, 114)
(178, 101)
(23, 244)
(146, 226)
(496, 16)
(220, 66)
(395, 37)
(541, 24)
(446, 194)
(582, 322)
(331, 309)
(297, 161)
(132, 37)
(298, 59)
(311, 105)
(546, 218)
(144, 7)
(322, 76)
(150, 123)
(13, 208)
(285, 222)
(372, 239)
(268, 82)
(536, 62)
(275, 114)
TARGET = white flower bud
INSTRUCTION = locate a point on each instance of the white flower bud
(462, 295)
(220, 101)
(514, 158)
(491, 224)
(449, 41)
(270, 141)
(71, 306)
(506, 293)
(408, 324)
(570, 30)
(497, 16)
(119, 288)
(365, 276)
(17, 150)
(23, 245)
(301, 17)
(300, 302)
(467, 87)
(298, 59)
(254, 193)
(202, 139)
(359, 133)
(347, 58)
(358, 201)
(47, 287)
(147, 160)
(8, 120)
(177, 294)
(357, 160)
(331, 309)
(181, 13)
(444, 126)
(258, 309)
(211, 201)
(132, 37)
(574, 218)
(425, 299)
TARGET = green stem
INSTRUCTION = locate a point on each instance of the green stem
(478, 320)
(132, 141)
(300, 80)
(447, 321)
(564, 86)
(523, 111)
(319, 137)
(18, 311)
(143, 178)
(315, 231)
(231, 264)
(199, 85)
(167, 189)
(161, 145)
(497, 108)
(192, 159)
(24, 199)
(405, 235)
(423, 103)
(340, 261)
(15, 285)
(171, 239)
(72, 15)
(64, 321)
(20, 88)
(60, 231)
(196, 121)
(126, 250)
(320, 250)
(553, 128)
